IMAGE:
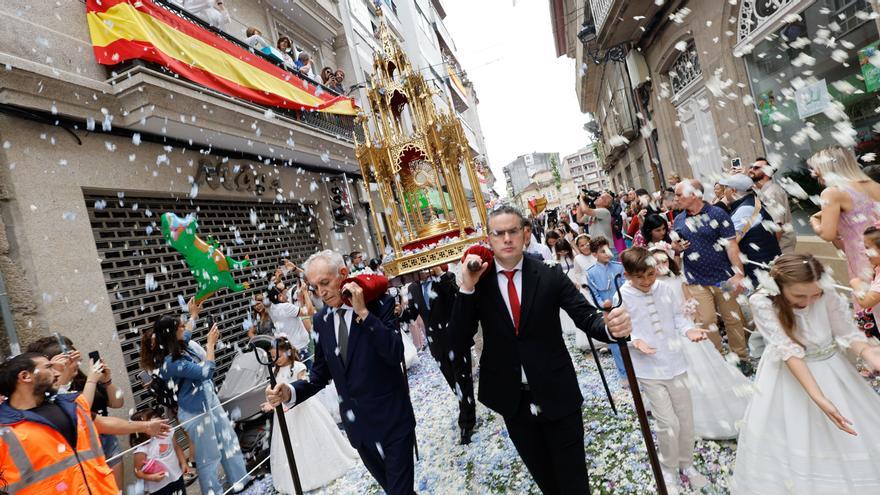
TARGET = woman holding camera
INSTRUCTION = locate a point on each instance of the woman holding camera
(199, 409)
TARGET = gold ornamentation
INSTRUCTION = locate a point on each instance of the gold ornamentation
(417, 157)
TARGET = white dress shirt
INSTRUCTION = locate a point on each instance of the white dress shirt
(349, 314)
(285, 316)
(540, 249)
(657, 320)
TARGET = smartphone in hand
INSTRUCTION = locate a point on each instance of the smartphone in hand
(94, 356)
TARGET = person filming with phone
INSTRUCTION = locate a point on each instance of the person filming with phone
(358, 345)
(199, 410)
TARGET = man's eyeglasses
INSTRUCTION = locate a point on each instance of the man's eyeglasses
(500, 234)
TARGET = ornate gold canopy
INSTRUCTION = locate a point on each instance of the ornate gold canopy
(416, 159)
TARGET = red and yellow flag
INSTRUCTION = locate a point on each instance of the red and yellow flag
(139, 29)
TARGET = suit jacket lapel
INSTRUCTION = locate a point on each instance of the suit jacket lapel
(530, 278)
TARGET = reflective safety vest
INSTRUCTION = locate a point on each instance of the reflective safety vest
(36, 459)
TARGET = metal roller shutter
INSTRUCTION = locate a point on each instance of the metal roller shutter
(127, 232)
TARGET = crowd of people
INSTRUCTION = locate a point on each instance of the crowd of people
(699, 286)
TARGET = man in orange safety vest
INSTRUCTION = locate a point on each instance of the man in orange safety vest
(48, 443)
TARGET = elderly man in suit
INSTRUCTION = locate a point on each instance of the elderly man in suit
(526, 373)
(358, 346)
(432, 299)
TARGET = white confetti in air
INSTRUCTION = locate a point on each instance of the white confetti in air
(100, 204)
(136, 139)
(68, 215)
(150, 282)
(349, 415)
(313, 186)
(325, 157)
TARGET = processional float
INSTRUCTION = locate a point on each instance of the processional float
(416, 162)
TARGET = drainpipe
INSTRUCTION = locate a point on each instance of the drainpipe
(6, 311)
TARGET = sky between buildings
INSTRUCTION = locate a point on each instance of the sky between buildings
(527, 97)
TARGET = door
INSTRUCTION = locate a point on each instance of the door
(700, 140)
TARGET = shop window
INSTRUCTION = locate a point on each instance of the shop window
(791, 99)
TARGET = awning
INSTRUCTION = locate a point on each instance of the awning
(124, 30)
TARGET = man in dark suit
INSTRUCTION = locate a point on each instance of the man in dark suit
(432, 299)
(526, 373)
(359, 347)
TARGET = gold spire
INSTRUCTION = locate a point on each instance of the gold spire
(417, 158)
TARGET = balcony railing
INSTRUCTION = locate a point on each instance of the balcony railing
(600, 9)
(341, 126)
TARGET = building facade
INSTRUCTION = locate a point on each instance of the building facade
(695, 87)
(663, 85)
(584, 169)
(93, 154)
(518, 173)
(544, 185)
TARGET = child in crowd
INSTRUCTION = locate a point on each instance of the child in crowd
(160, 462)
(584, 257)
(658, 327)
(719, 391)
(322, 452)
(868, 294)
(603, 279)
(565, 258)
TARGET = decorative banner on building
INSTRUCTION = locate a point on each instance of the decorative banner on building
(867, 57)
(812, 99)
(139, 29)
(453, 76)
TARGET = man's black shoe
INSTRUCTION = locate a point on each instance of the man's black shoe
(466, 436)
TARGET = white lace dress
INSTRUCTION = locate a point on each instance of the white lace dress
(322, 452)
(719, 391)
(787, 444)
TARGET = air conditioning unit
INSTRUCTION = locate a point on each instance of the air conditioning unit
(637, 68)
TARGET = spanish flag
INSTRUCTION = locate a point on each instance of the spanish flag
(139, 29)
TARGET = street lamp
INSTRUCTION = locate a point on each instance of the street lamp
(587, 35)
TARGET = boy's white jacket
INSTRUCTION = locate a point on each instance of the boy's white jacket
(658, 319)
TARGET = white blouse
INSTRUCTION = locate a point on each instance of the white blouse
(817, 326)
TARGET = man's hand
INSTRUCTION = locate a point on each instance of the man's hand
(736, 284)
(278, 395)
(157, 428)
(469, 279)
(618, 323)
(643, 347)
(697, 334)
(681, 245)
(357, 299)
(155, 477)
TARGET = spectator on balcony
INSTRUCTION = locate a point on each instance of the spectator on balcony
(304, 64)
(255, 39)
(213, 12)
(337, 81)
(288, 52)
(327, 77)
